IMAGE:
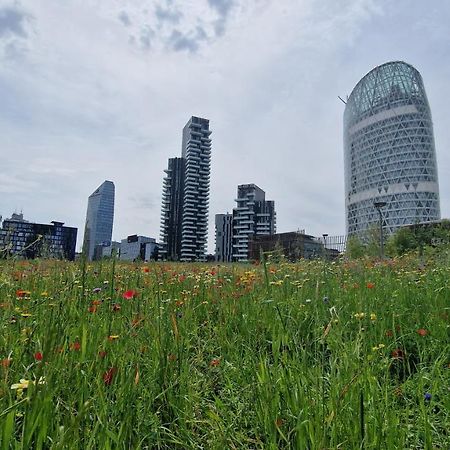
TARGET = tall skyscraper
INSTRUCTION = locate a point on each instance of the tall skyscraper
(389, 153)
(184, 213)
(99, 218)
(224, 237)
(172, 209)
(253, 216)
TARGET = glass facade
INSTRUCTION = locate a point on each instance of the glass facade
(389, 152)
(99, 218)
(36, 240)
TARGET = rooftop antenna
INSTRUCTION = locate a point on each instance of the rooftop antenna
(342, 100)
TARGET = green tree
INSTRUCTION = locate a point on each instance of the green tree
(355, 248)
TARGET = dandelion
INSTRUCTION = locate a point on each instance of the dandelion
(21, 385)
(113, 337)
(422, 332)
(129, 295)
(378, 347)
(373, 316)
(359, 315)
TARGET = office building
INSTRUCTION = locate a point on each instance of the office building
(28, 240)
(253, 216)
(138, 248)
(389, 152)
(184, 212)
(224, 237)
(99, 219)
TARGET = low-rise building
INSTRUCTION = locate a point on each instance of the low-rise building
(29, 240)
(135, 248)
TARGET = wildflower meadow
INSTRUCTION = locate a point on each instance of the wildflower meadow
(307, 355)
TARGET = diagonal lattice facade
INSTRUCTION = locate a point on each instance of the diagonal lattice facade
(389, 153)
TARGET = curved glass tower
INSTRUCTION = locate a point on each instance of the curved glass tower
(389, 153)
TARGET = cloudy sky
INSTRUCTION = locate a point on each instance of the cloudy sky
(101, 89)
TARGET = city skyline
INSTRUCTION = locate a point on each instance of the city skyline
(81, 105)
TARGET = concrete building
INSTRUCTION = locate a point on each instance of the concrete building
(224, 237)
(253, 216)
(389, 152)
(106, 250)
(184, 212)
(291, 245)
(36, 240)
(138, 248)
(99, 218)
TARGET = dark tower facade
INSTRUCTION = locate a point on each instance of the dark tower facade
(184, 213)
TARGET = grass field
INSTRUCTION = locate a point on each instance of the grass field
(312, 355)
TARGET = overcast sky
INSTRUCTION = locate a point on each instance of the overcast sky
(101, 89)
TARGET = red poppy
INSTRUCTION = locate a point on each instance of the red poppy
(75, 346)
(214, 362)
(389, 333)
(398, 353)
(38, 356)
(92, 309)
(172, 357)
(96, 302)
(181, 278)
(370, 285)
(21, 293)
(146, 270)
(128, 295)
(422, 332)
(116, 307)
(101, 354)
(109, 375)
(137, 320)
(279, 422)
(5, 362)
